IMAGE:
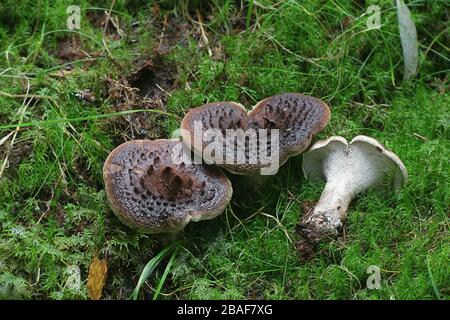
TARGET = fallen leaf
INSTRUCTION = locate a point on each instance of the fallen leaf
(96, 278)
(408, 37)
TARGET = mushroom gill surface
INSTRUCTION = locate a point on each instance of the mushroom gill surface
(348, 169)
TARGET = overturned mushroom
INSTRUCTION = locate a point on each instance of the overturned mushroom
(152, 186)
(257, 142)
(348, 169)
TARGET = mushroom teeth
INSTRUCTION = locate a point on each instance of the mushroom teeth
(297, 117)
(148, 191)
(348, 169)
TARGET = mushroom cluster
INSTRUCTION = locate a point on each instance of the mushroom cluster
(296, 118)
(154, 186)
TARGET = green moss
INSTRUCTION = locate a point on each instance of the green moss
(53, 211)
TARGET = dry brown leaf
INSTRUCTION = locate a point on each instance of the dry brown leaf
(96, 278)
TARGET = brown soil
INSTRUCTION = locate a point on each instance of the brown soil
(20, 150)
(305, 246)
(148, 87)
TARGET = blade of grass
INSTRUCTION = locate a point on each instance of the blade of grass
(249, 14)
(87, 118)
(164, 276)
(433, 283)
(148, 269)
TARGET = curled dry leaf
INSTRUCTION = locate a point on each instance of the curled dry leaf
(96, 278)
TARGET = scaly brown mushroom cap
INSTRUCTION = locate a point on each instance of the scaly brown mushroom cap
(297, 117)
(148, 191)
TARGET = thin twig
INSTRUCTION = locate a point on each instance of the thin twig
(25, 95)
(108, 17)
(5, 138)
(310, 60)
(166, 92)
(161, 37)
(21, 113)
(78, 119)
(280, 225)
(204, 37)
(260, 5)
(115, 22)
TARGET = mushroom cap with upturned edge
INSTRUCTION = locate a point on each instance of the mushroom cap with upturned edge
(298, 118)
(364, 160)
(148, 191)
(348, 169)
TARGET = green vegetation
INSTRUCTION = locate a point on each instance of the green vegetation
(53, 210)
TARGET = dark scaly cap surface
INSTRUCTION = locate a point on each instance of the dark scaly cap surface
(297, 117)
(148, 191)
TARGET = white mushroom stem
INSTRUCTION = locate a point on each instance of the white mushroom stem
(348, 169)
(331, 209)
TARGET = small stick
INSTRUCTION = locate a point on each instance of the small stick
(25, 95)
(21, 113)
(204, 37)
(108, 17)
